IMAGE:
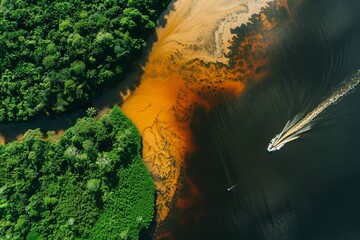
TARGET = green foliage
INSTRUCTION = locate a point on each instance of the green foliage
(78, 68)
(90, 184)
(55, 55)
(93, 185)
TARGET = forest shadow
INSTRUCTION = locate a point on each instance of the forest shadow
(114, 94)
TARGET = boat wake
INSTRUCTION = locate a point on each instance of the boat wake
(303, 123)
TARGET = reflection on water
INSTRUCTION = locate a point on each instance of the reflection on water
(14, 131)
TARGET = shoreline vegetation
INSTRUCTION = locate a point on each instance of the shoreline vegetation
(89, 183)
(56, 56)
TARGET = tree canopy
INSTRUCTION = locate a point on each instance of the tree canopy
(90, 183)
(60, 53)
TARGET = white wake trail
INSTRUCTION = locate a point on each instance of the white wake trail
(294, 128)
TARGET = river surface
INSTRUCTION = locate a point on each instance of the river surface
(309, 190)
(207, 105)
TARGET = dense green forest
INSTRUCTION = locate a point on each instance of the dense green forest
(59, 54)
(90, 183)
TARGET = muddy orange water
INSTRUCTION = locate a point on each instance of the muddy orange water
(187, 66)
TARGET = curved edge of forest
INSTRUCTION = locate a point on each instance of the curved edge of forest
(89, 183)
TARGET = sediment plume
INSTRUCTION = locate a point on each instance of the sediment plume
(294, 128)
(192, 61)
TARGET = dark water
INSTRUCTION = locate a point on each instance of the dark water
(310, 189)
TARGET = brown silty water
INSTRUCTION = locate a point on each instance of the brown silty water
(190, 64)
